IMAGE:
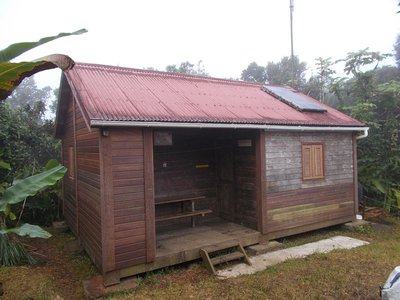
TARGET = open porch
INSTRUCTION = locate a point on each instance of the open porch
(180, 245)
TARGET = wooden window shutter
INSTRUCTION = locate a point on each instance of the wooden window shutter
(307, 158)
(318, 170)
(313, 161)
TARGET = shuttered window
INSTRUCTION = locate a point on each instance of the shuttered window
(313, 161)
(71, 163)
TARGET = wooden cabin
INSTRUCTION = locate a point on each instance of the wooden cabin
(163, 164)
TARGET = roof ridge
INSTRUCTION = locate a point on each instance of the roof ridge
(166, 74)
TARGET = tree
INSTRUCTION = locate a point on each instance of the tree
(188, 68)
(363, 67)
(26, 139)
(378, 106)
(287, 71)
(54, 103)
(397, 50)
(324, 76)
(312, 87)
(386, 74)
(254, 73)
(28, 94)
(319, 86)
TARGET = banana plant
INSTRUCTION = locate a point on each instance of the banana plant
(12, 73)
(18, 192)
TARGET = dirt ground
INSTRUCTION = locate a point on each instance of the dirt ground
(58, 274)
(342, 274)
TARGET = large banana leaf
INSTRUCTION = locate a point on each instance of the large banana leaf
(11, 74)
(17, 49)
(30, 186)
(32, 231)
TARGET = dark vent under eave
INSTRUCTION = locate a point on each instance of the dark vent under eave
(293, 99)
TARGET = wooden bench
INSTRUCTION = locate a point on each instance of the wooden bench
(183, 214)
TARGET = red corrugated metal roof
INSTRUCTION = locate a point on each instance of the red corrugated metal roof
(109, 93)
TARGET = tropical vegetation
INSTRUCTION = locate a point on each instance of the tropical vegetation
(18, 156)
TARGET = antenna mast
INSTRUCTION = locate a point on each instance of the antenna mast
(291, 39)
(291, 27)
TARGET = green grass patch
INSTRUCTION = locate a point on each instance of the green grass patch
(341, 274)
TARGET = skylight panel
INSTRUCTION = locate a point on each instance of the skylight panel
(293, 99)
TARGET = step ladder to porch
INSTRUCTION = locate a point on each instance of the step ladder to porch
(223, 252)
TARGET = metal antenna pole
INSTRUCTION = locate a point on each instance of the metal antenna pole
(291, 39)
(291, 27)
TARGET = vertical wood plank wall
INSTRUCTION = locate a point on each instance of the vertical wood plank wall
(295, 205)
(245, 179)
(82, 194)
(128, 185)
(88, 187)
(70, 206)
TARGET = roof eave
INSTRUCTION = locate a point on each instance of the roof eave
(103, 123)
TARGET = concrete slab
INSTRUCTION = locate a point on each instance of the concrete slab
(94, 287)
(261, 262)
(263, 248)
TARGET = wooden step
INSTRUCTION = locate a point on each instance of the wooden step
(222, 256)
(227, 257)
(184, 215)
(221, 246)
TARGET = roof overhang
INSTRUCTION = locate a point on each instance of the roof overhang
(364, 130)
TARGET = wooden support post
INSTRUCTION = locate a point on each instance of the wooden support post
(261, 196)
(107, 205)
(149, 194)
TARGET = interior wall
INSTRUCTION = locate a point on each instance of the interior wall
(186, 168)
(207, 162)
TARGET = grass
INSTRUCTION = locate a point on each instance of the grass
(341, 274)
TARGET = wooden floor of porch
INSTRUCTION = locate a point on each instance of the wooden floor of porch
(182, 245)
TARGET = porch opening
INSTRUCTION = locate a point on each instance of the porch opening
(205, 187)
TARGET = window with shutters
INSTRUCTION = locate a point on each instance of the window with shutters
(313, 161)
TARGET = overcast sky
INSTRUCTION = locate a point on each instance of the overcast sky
(225, 34)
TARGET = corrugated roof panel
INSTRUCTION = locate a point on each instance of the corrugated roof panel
(121, 94)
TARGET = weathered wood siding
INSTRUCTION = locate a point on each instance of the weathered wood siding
(128, 195)
(245, 180)
(68, 140)
(88, 187)
(82, 192)
(295, 205)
